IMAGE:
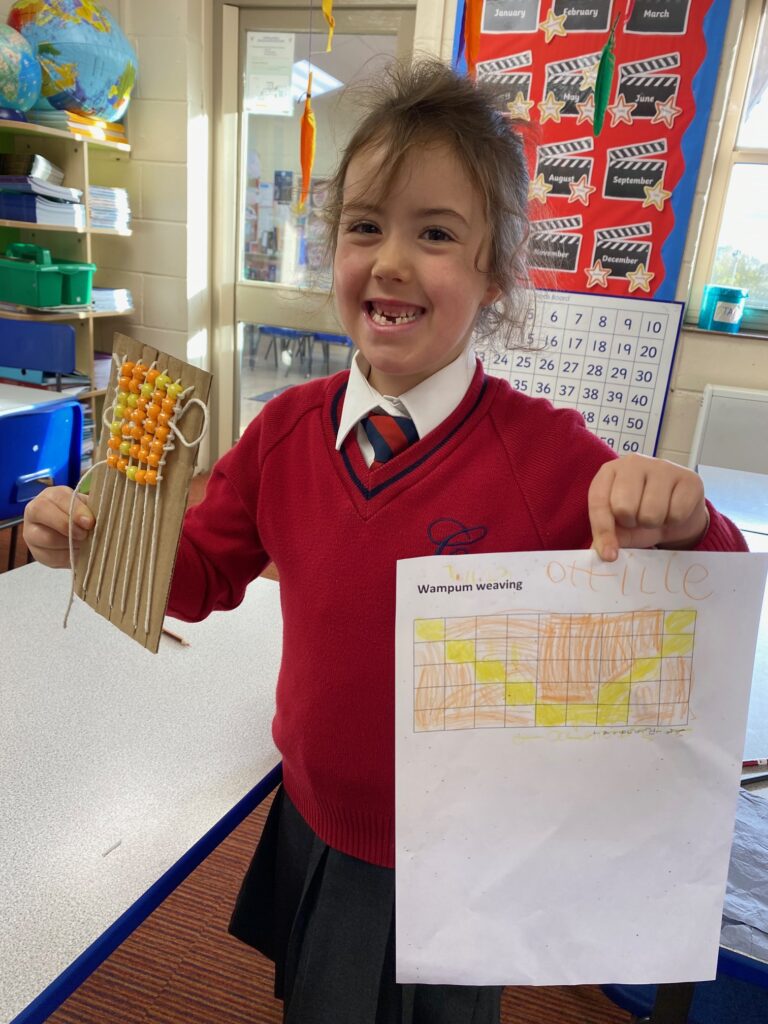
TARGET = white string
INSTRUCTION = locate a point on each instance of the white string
(96, 532)
(72, 501)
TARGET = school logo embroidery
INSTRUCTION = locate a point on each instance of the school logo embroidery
(452, 537)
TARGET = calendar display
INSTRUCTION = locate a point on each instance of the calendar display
(608, 357)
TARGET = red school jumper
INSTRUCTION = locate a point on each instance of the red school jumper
(504, 472)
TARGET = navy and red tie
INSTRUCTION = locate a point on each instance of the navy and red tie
(388, 435)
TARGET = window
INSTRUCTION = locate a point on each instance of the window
(734, 248)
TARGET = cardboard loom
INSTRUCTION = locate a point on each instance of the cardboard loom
(124, 568)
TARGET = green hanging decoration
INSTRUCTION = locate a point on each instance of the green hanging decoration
(604, 80)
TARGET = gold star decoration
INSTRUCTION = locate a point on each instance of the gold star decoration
(621, 111)
(550, 109)
(640, 278)
(553, 25)
(598, 274)
(656, 195)
(538, 189)
(589, 77)
(666, 112)
(586, 110)
(520, 107)
(581, 190)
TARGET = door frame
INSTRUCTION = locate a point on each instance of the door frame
(432, 34)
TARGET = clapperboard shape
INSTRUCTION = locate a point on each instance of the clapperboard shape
(563, 163)
(565, 79)
(585, 15)
(510, 16)
(631, 168)
(619, 249)
(553, 246)
(645, 82)
(659, 17)
(505, 74)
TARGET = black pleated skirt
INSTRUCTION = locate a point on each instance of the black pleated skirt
(327, 921)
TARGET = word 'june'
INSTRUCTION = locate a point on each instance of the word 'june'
(463, 588)
(634, 579)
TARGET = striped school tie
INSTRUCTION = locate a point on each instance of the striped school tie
(388, 435)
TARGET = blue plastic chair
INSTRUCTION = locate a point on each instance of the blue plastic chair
(40, 446)
(327, 340)
(727, 1000)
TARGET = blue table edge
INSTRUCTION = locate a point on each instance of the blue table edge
(73, 976)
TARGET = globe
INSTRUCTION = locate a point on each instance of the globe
(20, 75)
(88, 65)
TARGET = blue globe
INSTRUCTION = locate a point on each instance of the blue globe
(20, 75)
(88, 65)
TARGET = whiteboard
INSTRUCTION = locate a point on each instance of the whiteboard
(606, 356)
(731, 430)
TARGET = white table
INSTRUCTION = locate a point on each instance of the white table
(113, 764)
(15, 399)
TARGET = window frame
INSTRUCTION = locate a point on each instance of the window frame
(729, 153)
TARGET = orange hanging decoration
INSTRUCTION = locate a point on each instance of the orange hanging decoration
(473, 14)
(308, 133)
(328, 15)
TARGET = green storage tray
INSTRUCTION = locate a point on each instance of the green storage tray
(29, 276)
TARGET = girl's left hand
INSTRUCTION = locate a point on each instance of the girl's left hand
(642, 502)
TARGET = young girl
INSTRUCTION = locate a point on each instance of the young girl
(413, 451)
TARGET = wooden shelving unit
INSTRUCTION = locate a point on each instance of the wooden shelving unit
(71, 152)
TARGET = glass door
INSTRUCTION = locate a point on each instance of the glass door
(286, 329)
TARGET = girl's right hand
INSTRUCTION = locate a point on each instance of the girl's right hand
(46, 525)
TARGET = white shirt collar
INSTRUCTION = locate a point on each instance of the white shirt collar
(428, 404)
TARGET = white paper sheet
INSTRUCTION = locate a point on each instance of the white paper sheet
(569, 736)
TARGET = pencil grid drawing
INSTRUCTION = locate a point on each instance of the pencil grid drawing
(606, 670)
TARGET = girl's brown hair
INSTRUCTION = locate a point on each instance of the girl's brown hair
(424, 104)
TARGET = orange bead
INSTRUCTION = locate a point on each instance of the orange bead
(153, 459)
(161, 433)
(134, 452)
(127, 369)
(153, 411)
(112, 460)
(142, 456)
(152, 375)
(137, 417)
(159, 397)
(157, 446)
(122, 465)
(168, 406)
(146, 440)
(141, 476)
(114, 442)
(139, 371)
(137, 431)
(142, 404)
(134, 386)
(149, 425)
(152, 477)
(126, 428)
(124, 383)
(163, 419)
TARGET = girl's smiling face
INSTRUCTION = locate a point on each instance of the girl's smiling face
(406, 277)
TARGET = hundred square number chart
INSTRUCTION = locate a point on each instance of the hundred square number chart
(609, 357)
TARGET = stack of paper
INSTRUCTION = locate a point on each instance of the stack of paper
(111, 300)
(110, 208)
(37, 209)
(79, 124)
(34, 165)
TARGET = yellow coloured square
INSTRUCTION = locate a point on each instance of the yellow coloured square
(551, 714)
(614, 693)
(582, 714)
(675, 645)
(682, 621)
(460, 650)
(645, 668)
(520, 693)
(609, 714)
(429, 629)
(490, 671)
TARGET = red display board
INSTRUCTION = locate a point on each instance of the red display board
(609, 213)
